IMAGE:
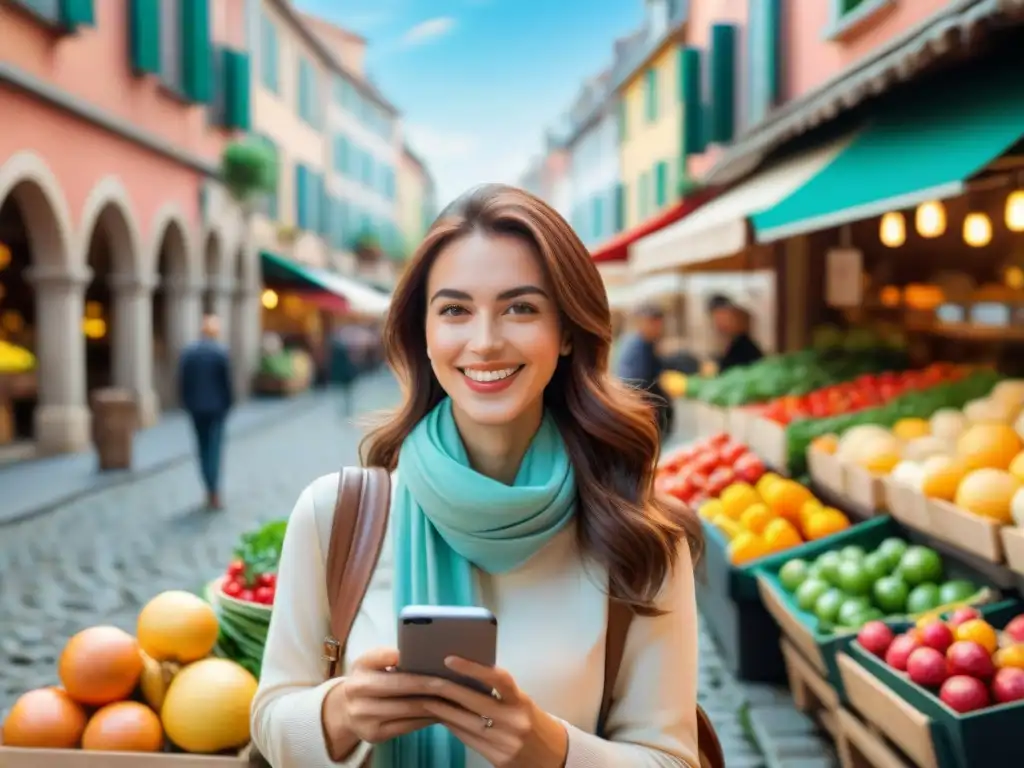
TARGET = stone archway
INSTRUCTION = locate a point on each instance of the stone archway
(246, 319)
(176, 310)
(218, 285)
(42, 270)
(117, 314)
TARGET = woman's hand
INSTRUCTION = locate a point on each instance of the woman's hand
(373, 705)
(508, 729)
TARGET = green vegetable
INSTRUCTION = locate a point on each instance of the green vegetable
(260, 550)
(918, 404)
(279, 365)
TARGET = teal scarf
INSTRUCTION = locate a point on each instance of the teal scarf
(448, 518)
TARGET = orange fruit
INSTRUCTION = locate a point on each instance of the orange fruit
(746, 547)
(756, 517)
(736, 498)
(711, 509)
(785, 498)
(825, 523)
(780, 534)
(810, 507)
(1011, 656)
(978, 631)
(768, 478)
(729, 527)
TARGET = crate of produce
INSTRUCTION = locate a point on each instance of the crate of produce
(822, 595)
(739, 421)
(1013, 546)
(966, 531)
(811, 692)
(768, 439)
(862, 746)
(906, 504)
(825, 470)
(864, 490)
(157, 698)
(711, 419)
(912, 407)
(966, 675)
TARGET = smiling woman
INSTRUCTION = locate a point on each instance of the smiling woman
(523, 485)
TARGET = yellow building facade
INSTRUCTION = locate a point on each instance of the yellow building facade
(650, 132)
(415, 193)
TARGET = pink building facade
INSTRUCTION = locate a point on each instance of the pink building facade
(115, 120)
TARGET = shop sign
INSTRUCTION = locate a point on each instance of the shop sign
(844, 280)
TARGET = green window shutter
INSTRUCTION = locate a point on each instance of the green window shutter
(763, 36)
(301, 212)
(144, 36)
(237, 106)
(597, 217)
(77, 13)
(643, 195)
(651, 94)
(623, 119)
(661, 184)
(693, 102)
(620, 207)
(723, 82)
(196, 56)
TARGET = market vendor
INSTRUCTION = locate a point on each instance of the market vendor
(732, 322)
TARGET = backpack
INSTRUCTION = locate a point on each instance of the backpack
(357, 537)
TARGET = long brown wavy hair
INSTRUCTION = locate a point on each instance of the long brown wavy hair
(609, 429)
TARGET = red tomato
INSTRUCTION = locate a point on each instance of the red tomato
(697, 499)
(237, 568)
(749, 468)
(720, 478)
(231, 588)
(266, 580)
(706, 462)
(264, 595)
(720, 439)
(731, 451)
(247, 595)
(699, 480)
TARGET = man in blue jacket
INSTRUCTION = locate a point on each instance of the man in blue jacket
(204, 381)
(640, 365)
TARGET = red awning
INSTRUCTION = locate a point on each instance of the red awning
(617, 249)
(327, 301)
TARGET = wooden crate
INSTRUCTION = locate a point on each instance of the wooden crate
(14, 757)
(826, 472)
(864, 490)
(887, 718)
(768, 439)
(710, 420)
(1013, 548)
(811, 692)
(860, 745)
(907, 505)
(968, 532)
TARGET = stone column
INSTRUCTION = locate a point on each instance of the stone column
(223, 290)
(183, 305)
(133, 342)
(62, 416)
(246, 327)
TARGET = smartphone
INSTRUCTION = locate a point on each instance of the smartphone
(428, 634)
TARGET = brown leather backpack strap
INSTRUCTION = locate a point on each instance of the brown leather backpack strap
(711, 754)
(620, 616)
(357, 537)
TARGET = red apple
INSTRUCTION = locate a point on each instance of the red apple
(964, 694)
(965, 657)
(875, 637)
(749, 468)
(960, 615)
(899, 651)
(1015, 629)
(1008, 685)
(937, 635)
(927, 666)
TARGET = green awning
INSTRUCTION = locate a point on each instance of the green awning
(362, 299)
(924, 146)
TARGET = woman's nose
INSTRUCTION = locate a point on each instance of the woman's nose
(486, 337)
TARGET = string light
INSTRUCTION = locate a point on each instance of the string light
(930, 219)
(893, 230)
(977, 230)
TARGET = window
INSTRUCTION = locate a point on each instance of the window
(623, 113)
(621, 201)
(643, 199)
(308, 103)
(270, 202)
(368, 170)
(762, 58)
(651, 95)
(68, 14)
(848, 6)
(341, 160)
(170, 44)
(597, 217)
(661, 184)
(269, 66)
(847, 15)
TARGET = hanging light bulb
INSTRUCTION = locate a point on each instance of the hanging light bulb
(892, 230)
(977, 230)
(269, 298)
(930, 219)
(1015, 211)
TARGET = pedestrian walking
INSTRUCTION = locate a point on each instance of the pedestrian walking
(204, 381)
(342, 373)
(640, 365)
(517, 475)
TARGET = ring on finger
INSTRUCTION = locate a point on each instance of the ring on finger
(487, 722)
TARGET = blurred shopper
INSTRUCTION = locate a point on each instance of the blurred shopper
(640, 365)
(204, 381)
(342, 372)
(732, 322)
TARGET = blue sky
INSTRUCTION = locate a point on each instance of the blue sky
(478, 81)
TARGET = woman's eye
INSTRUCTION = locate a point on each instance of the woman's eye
(452, 309)
(522, 309)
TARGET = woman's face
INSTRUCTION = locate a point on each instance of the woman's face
(493, 331)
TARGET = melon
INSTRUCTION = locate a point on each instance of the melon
(911, 428)
(177, 626)
(877, 453)
(922, 448)
(851, 441)
(1017, 508)
(44, 718)
(1017, 466)
(988, 446)
(988, 493)
(206, 709)
(947, 423)
(908, 473)
(989, 411)
(100, 665)
(941, 476)
(1010, 392)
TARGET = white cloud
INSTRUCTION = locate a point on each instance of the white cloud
(429, 30)
(442, 146)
